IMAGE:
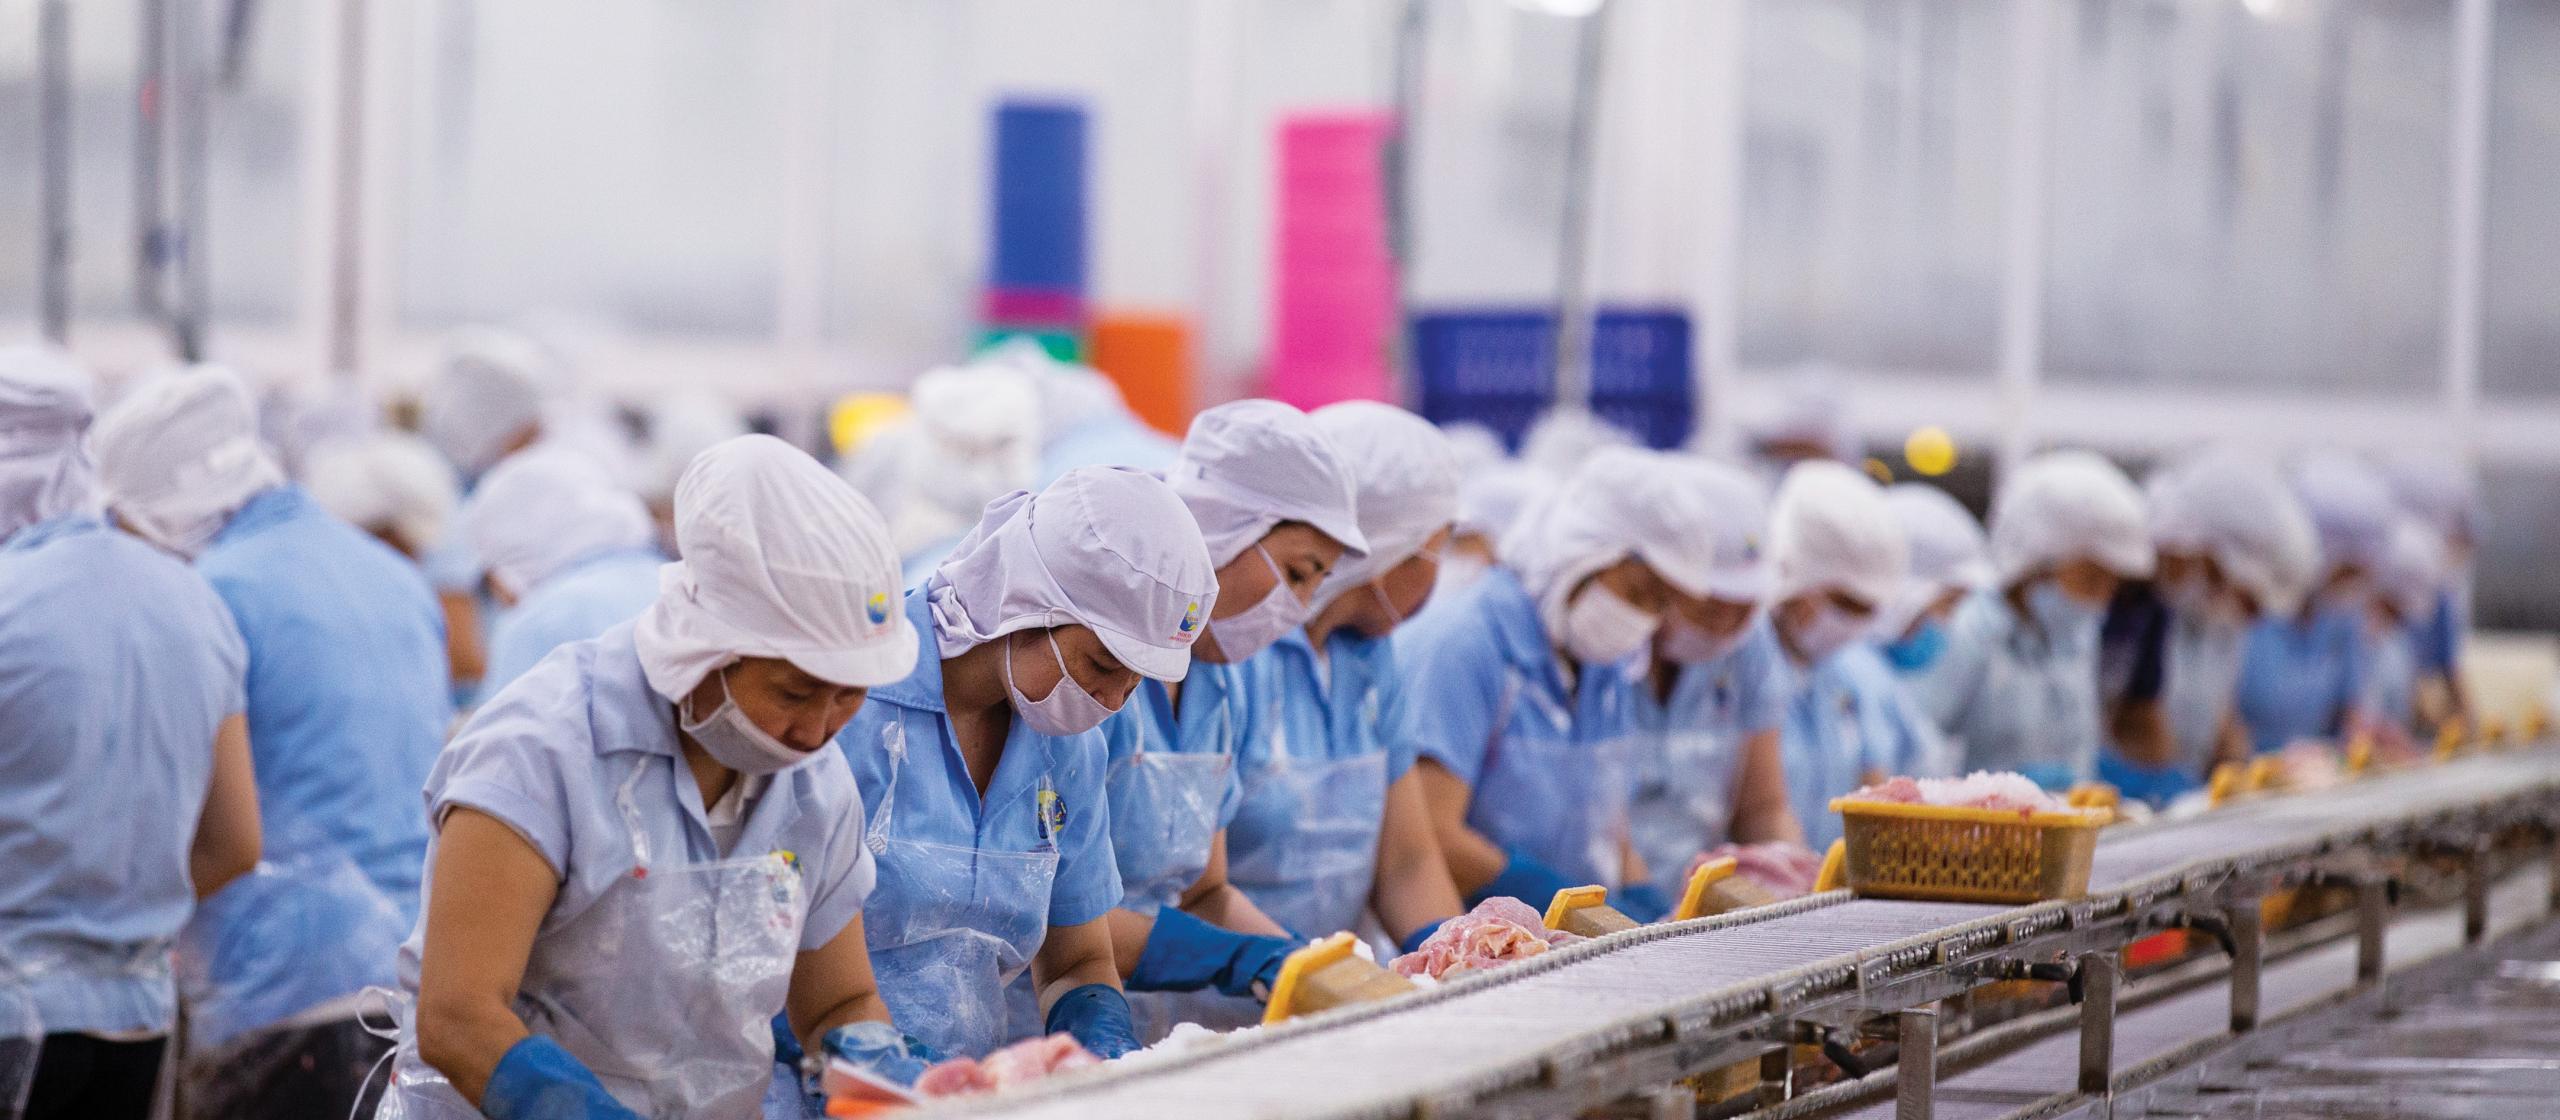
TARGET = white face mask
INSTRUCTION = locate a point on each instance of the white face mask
(1067, 710)
(1602, 629)
(1830, 629)
(1253, 629)
(734, 741)
(1687, 644)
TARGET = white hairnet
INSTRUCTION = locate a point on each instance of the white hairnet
(2237, 510)
(489, 390)
(1738, 508)
(1831, 528)
(781, 559)
(1407, 479)
(1624, 501)
(1563, 439)
(2439, 490)
(2351, 507)
(2411, 573)
(1248, 466)
(45, 470)
(1475, 446)
(1812, 408)
(1109, 548)
(180, 454)
(537, 513)
(388, 480)
(1946, 547)
(681, 426)
(1071, 396)
(2066, 505)
(979, 429)
(1490, 501)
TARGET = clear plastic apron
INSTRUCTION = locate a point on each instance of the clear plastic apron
(1562, 801)
(1684, 804)
(2199, 676)
(1164, 815)
(951, 929)
(21, 1043)
(300, 930)
(665, 988)
(1304, 846)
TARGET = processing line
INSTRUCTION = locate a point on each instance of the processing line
(1618, 1021)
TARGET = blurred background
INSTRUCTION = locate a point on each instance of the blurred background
(2136, 225)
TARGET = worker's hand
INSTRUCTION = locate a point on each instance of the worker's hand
(1525, 879)
(1098, 1016)
(540, 1080)
(1185, 954)
(1412, 942)
(881, 1049)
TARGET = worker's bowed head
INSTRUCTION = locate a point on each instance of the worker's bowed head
(1838, 554)
(390, 484)
(486, 400)
(538, 513)
(1700, 629)
(1950, 559)
(180, 454)
(2233, 543)
(1275, 503)
(1607, 554)
(45, 469)
(1406, 475)
(2064, 531)
(783, 612)
(2352, 510)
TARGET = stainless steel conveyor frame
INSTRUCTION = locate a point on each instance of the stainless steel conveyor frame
(1584, 1027)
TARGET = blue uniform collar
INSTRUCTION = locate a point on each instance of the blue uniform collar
(648, 727)
(922, 689)
(52, 528)
(271, 506)
(1516, 629)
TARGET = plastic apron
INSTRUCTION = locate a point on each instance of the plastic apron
(1164, 816)
(1683, 804)
(952, 929)
(1825, 749)
(2036, 713)
(2200, 674)
(1547, 793)
(665, 988)
(21, 1043)
(1304, 846)
(296, 932)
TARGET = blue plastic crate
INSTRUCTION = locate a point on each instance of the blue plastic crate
(1037, 200)
(1496, 367)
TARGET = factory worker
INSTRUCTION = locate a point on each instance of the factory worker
(1950, 559)
(125, 788)
(1562, 439)
(983, 774)
(644, 851)
(681, 425)
(1085, 421)
(569, 553)
(2445, 496)
(1837, 555)
(2302, 675)
(484, 404)
(2406, 587)
(390, 484)
(1489, 504)
(1709, 705)
(2018, 684)
(1521, 685)
(1334, 824)
(2233, 546)
(1274, 505)
(347, 706)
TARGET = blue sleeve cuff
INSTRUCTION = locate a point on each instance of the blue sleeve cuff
(539, 1080)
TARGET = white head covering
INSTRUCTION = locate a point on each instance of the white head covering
(1407, 478)
(681, 426)
(1739, 508)
(1564, 438)
(1830, 528)
(1947, 551)
(781, 559)
(2064, 505)
(2237, 510)
(1624, 501)
(1108, 548)
(977, 439)
(2412, 569)
(180, 454)
(1491, 501)
(2439, 490)
(1475, 446)
(45, 470)
(2351, 507)
(1812, 408)
(489, 390)
(1248, 466)
(387, 480)
(537, 513)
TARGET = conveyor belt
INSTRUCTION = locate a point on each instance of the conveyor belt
(1679, 987)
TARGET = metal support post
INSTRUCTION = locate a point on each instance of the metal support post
(2248, 951)
(1777, 1076)
(2098, 976)
(2373, 917)
(1916, 1077)
(2475, 895)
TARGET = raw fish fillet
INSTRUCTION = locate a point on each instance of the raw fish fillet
(1497, 932)
(1981, 789)
(1019, 1064)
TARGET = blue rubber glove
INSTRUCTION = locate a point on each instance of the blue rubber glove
(538, 1080)
(1098, 1015)
(1642, 901)
(882, 1049)
(1412, 942)
(1185, 954)
(786, 1045)
(1525, 879)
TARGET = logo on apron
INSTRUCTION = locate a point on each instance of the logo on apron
(1053, 811)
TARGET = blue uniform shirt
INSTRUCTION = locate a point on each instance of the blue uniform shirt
(117, 667)
(2013, 696)
(551, 756)
(348, 696)
(937, 803)
(1166, 813)
(1847, 717)
(1690, 748)
(1551, 766)
(579, 602)
(2299, 679)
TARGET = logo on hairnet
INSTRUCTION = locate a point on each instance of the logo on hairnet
(878, 608)
(1190, 622)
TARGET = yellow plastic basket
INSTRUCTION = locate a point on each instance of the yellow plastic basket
(1945, 854)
